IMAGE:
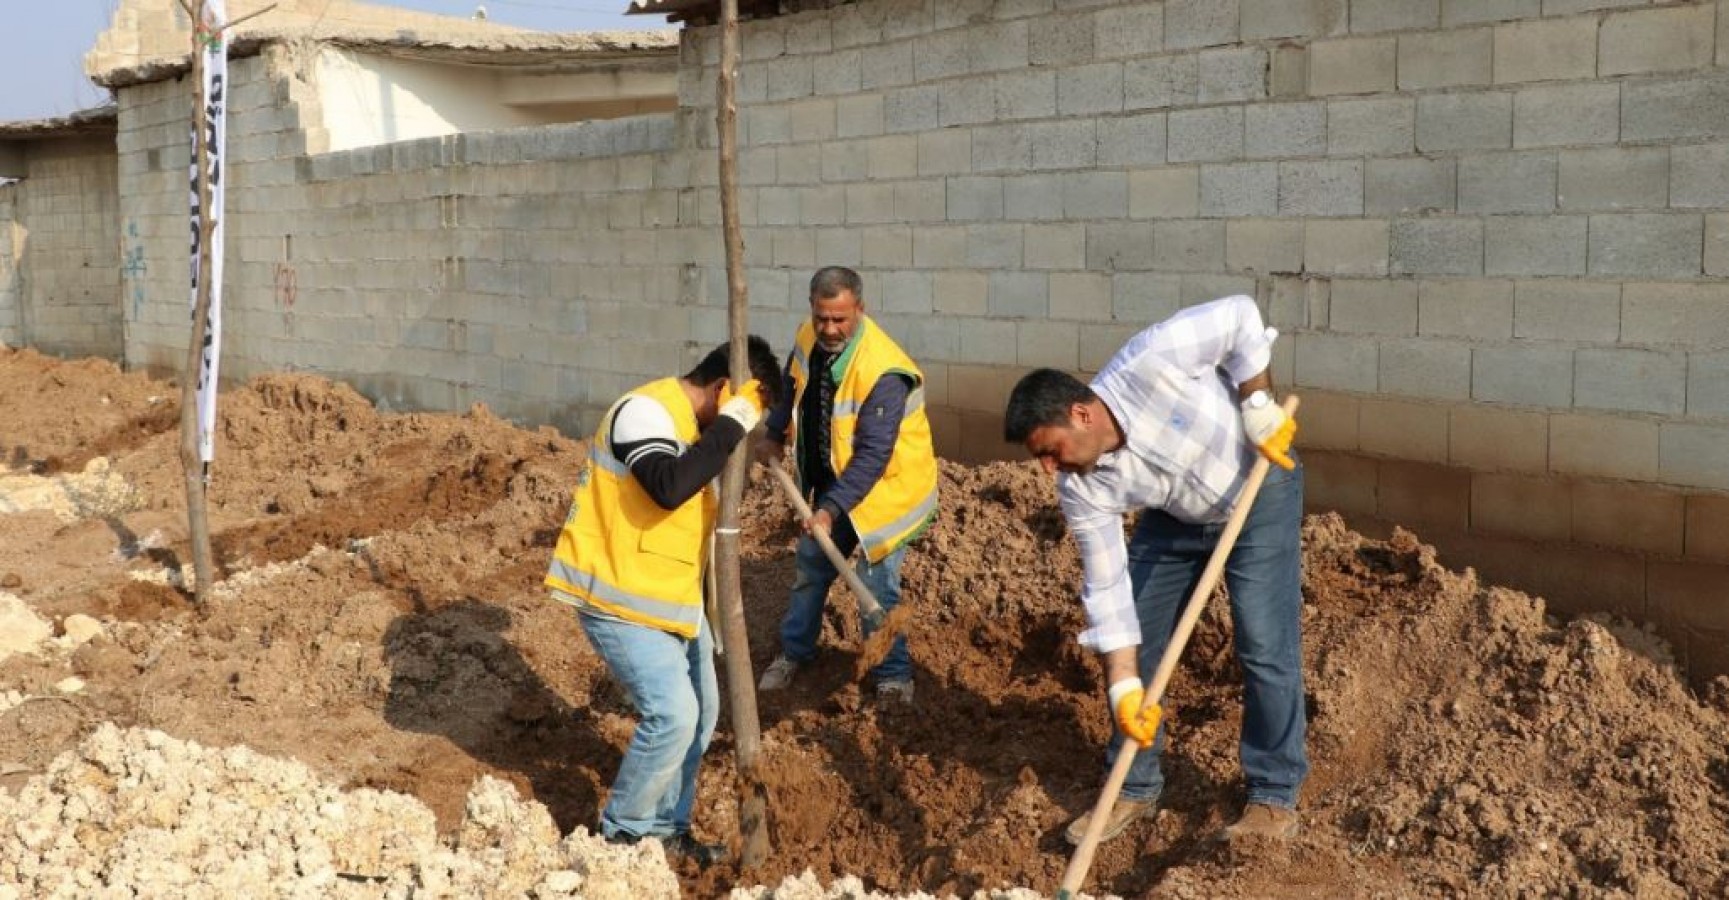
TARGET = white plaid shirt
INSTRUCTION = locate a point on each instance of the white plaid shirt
(1173, 391)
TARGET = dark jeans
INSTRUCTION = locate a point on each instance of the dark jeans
(1264, 574)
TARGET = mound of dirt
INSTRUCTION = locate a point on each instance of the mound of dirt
(380, 622)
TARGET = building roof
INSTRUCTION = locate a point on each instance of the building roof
(149, 39)
(707, 12)
(96, 121)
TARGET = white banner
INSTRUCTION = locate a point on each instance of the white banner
(210, 43)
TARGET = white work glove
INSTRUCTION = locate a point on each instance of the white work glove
(745, 407)
(1269, 429)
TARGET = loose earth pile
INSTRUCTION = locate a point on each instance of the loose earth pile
(381, 702)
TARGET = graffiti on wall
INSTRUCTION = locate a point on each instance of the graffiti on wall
(133, 268)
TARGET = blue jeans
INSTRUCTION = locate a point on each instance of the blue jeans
(1264, 574)
(802, 625)
(670, 681)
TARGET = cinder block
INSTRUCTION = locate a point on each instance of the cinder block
(1479, 310)
(1337, 362)
(1705, 375)
(1061, 40)
(1002, 148)
(1161, 82)
(994, 246)
(1100, 342)
(1375, 127)
(1524, 375)
(1700, 176)
(1647, 245)
(1708, 527)
(1657, 40)
(1033, 197)
(1084, 296)
(892, 156)
(1134, 30)
(1445, 59)
(960, 293)
(1535, 245)
(974, 199)
(1090, 90)
(1373, 307)
(1603, 446)
(1248, 189)
(1616, 178)
(1144, 298)
(1567, 114)
(1518, 182)
(1468, 121)
(1365, 65)
(1283, 130)
(946, 152)
(1189, 245)
(859, 116)
(1339, 481)
(1668, 109)
(1694, 455)
(839, 247)
(1546, 50)
(1026, 95)
(1020, 294)
(1263, 19)
(1119, 246)
(1690, 595)
(1053, 344)
(968, 101)
(1521, 506)
(1233, 74)
(1688, 315)
(1200, 23)
(1329, 421)
(1345, 246)
(1439, 246)
(1630, 379)
(1321, 188)
(1288, 71)
(908, 293)
(1467, 12)
(1435, 370)
(1095, 195)
(1000, 46)
(1173, 192)
(1394, 15)
(1486, 438)
(912, 109)
(1264, 245)
(1630, 517)
(1717, 245)
(1214, 133)
(1134, 140)
(1587, 311)
(1415, 185)
(1565, 7)
(983, 387)
(1424, 496)
(1205, 287)
(1056, 246)
(1062, 145)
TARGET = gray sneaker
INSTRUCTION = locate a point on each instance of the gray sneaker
(898, 690)
(778, 675)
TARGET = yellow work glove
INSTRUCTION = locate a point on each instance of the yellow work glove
(1269, 429)
(745, 407)
(1138, 724)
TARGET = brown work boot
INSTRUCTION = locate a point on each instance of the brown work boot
(1123, 813)
(1266, 821)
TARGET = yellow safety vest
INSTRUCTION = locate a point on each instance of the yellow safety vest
(904, 501)
(619, 552)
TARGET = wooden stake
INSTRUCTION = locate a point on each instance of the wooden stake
(197, 511)
(741, 681)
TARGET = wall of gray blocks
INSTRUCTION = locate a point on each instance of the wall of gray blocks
(1460, 203)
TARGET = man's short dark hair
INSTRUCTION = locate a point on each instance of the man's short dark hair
(1042, 397)
(764, 367)
(829, 281)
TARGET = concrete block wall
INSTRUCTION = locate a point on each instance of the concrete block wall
(1493, 233)
(59, 257)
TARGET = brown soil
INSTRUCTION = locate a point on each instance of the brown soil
(380, 618)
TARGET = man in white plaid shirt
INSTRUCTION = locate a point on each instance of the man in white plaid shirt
(1170, 427)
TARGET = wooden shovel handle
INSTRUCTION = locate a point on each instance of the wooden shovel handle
(869, 608)
(1076, 873)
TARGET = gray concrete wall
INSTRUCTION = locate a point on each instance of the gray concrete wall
(1496, 235)
(59, 262)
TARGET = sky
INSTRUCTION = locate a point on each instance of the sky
(42, 42)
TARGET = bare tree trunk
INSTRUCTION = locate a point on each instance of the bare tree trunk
(197, 512)
(741, 682)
